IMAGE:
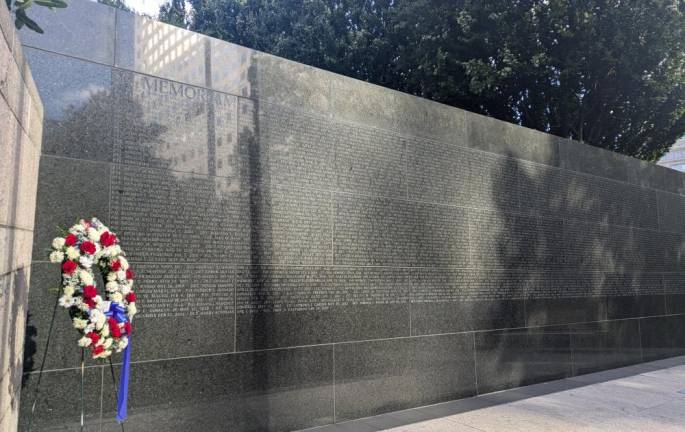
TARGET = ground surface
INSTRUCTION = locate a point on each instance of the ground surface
(645, 397)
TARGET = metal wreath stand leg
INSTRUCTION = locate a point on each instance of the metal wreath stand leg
(83, 372)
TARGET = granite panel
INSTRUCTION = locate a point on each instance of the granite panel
(648, 174)
(287, 146)
(635, 306)
(513, 358)
(290, 226)
(381, 231)
(385, 375)
(580, 157)
(192, 297)
(445, 173)
(552, 311)
(57, 407)
(500, 240)
(64, 199)
(275, 390)
(550, 191)
(662, 337)
(78, 112)
(370, 161)
(603, 247)
(674, 290)
(605, 345)
(85, 30)
(452, 300)
(368, 104)
(232, 68)
(165, 124)
(671, 211)
(277, 80)
(291, 306)
(12, 87)
(496, 136)
(162, 50)
(157, 215)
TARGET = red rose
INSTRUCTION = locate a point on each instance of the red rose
(128, 328)
(116, 265)
(131, 297)
(88, 247)
(112, 322)
(69, 267)
(70, 240)
(89, 291)
(90, 302)
(98, 350)
(130, 274)
(94, 337)
(108, 239)
(116, 331)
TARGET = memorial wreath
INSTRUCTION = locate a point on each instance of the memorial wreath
(105, 324)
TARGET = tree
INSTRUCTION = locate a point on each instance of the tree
(173, 13)
(119, 4)
(607, 72)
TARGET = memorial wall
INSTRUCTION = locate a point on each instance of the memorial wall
(312, 249)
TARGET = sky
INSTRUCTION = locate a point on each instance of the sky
(147, 7)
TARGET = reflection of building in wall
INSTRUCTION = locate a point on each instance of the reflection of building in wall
(675, 158)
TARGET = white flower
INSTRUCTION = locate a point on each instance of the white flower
(69, 290)
(121, 275)
(115, 250)
(101, 228)
(56, 257)
(104, 331)
(131, 309)
(125, 289)
(86, 261)
(93, 234)
(85, 277)
(80, 323)
(66, 301)
(84, 342)
(108, 343)
(58, 243)
(111, 277)
(124, 263)
(116, 297)
(111, 286)
(123, 343)
(89, 328)
(97, 299)
(72, 253)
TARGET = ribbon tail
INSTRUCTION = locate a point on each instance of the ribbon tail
(122, 397)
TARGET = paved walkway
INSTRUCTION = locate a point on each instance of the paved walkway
(645, 397)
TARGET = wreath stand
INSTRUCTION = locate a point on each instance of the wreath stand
(83, 371)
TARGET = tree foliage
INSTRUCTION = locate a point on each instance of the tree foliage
(608, 72)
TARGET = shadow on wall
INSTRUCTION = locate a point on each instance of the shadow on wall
(14, 283)
(574, 268)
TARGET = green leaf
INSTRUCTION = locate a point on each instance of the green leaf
(22, 4)
(24, 19)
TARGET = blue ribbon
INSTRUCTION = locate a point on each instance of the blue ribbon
(118, 311)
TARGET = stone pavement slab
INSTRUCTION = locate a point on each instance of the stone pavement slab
(644, 397)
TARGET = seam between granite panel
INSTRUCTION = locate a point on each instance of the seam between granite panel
(367, 126)
(322, 345)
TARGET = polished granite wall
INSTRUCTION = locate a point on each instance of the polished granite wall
(312, 249)
(20, 139)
